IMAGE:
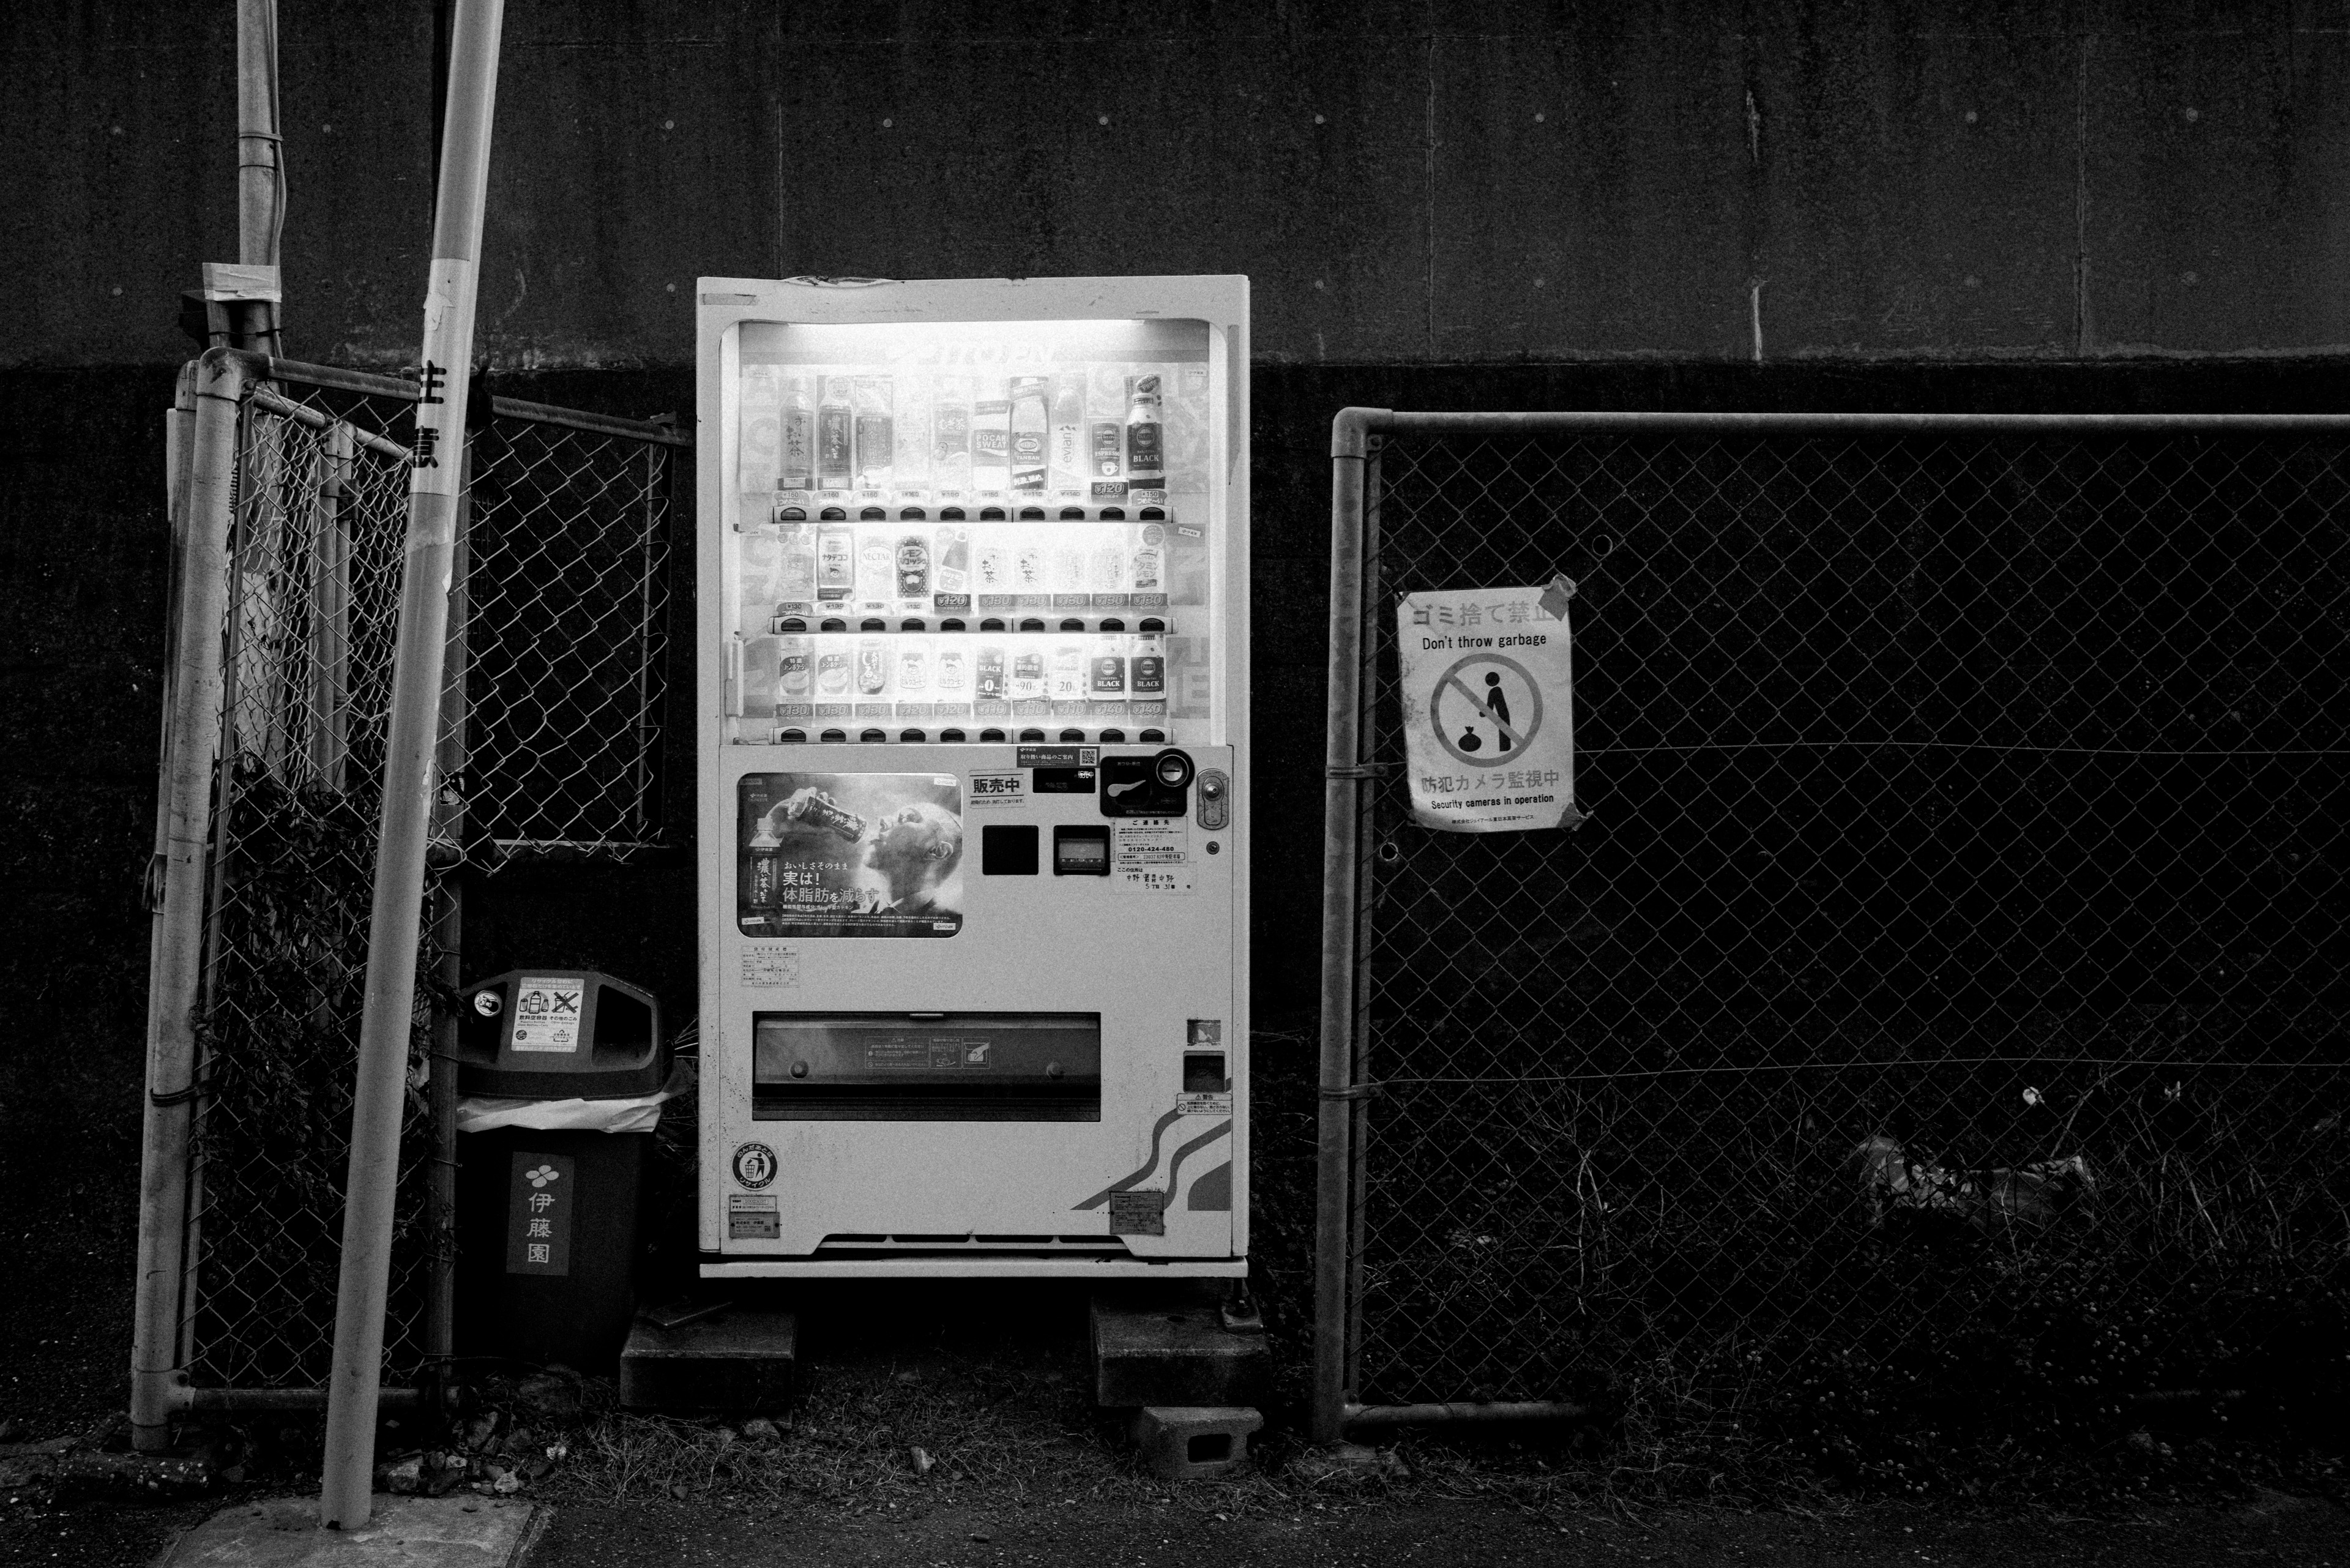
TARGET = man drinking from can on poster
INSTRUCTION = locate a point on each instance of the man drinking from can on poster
(905, 857)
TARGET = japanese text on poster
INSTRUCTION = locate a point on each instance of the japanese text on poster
(849, 854)
(1488, 708)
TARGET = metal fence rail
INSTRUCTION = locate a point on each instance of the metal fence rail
(550, 726)
(1959, 933)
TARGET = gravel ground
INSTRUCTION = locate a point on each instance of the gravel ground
(2271, 1528)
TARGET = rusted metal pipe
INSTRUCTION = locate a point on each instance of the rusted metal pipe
(1333, 1158)
(260, 158)
(1380, 1418)
(177, 949)
(240, 1401)
(1646, 422)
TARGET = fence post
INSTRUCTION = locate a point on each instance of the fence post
(1340, 802)
(177, 950)
(452, 830)
(346, 1497)
(1366, 748)
(330, 620)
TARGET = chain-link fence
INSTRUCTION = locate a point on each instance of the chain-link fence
(1945, 995)
(549, 742)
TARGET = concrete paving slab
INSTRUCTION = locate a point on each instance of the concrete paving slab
(406, 1533)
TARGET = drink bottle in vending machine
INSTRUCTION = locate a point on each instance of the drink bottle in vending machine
(1145, 452)
(914, 567)
(835, 436)
(836, 557)
(1029, 425)
(951, 564)
(795, 567)
(798, 437)
(990, 435)
(951, 435)
(1070, 474)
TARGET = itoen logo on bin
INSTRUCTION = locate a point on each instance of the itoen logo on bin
(538, 1214)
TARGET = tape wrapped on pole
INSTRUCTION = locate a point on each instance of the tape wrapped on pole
(378, 1099)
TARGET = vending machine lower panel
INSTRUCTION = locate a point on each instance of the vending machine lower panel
(977, 1014)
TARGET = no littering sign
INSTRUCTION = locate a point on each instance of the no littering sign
(1488, 713)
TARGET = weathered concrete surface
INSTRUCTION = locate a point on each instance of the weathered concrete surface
(1194, 1442)
(405, 1532)
(1159, 1347)
(744, 1359)
(1514, 180)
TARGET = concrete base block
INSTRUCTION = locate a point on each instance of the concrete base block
(739, 1360)
(1172, 1348)
(402, 1532)
(1194, 1442)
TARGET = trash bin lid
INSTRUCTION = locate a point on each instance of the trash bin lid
(559, 1034)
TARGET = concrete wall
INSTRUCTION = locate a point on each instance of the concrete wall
(1443, 204)
(1406, 180)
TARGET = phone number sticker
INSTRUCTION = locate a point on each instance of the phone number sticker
(1150, 854)
(997, 789)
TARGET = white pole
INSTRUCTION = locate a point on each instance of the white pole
(434, 480)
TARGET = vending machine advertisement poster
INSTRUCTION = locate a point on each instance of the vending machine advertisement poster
(1488, 708)
(849, 854)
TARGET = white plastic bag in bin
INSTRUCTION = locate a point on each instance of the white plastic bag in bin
(632, 1114)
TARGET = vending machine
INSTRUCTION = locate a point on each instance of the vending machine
(972, 777)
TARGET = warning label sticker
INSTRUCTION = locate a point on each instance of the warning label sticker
(1150, 854)
(772, 968)
(546, 1013)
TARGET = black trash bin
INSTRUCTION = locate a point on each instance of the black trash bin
(548, 1198)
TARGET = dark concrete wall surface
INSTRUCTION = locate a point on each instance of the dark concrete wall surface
(1405, 180)
(1441, 203)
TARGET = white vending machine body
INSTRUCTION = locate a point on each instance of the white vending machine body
(971, 777)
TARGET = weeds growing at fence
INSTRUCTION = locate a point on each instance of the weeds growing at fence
(2104, 1278)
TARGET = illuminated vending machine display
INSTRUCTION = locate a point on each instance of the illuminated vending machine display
(972, 777)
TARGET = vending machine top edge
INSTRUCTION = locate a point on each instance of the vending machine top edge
(972, 681)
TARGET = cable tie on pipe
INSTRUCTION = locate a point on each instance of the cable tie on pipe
(1360, 770)
(168, 1098)
(1352, 1092)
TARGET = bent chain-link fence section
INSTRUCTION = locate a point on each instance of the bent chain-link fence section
(550, 723)
(1954, 955)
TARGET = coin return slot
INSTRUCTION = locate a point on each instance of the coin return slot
(1204, 1073)
(1080, 851)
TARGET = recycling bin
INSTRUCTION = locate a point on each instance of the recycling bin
(560, 1079)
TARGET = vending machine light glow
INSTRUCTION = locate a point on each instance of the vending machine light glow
(973, 776)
